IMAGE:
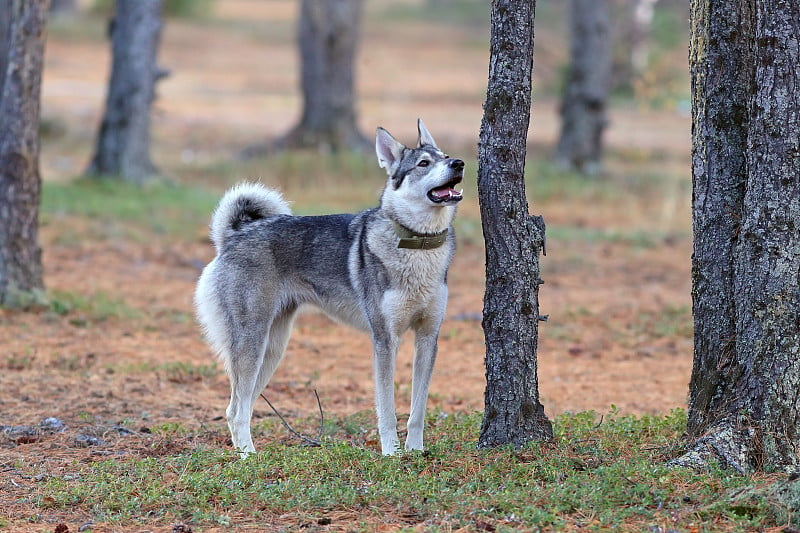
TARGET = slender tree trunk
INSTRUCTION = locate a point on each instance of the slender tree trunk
(123, 143)
(744, 406)
(632, 28)
(514, 414)
(328, 38)
(583, 103)
(20, 184)
(641, 25)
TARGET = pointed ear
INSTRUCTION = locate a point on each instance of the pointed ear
(388, 150)
(425, 136)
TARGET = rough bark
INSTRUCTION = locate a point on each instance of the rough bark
(583, 103)
(21, 281)
(513, 412)
(745, 385)
(767, 275)
(123, 142)
(328, 33)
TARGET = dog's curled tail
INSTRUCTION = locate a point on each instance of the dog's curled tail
(244, 203)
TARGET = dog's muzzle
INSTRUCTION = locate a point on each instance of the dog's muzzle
(446, 193)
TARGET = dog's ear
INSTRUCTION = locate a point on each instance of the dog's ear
(425, 137)
(388, 150)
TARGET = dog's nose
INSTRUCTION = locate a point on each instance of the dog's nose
(457, 164)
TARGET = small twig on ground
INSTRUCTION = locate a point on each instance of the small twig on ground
(290, 429)
(599, 423)
(591, 439)
(321, 416)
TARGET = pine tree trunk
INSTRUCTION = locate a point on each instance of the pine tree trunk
(123, 143)
(513, 412)
(328, 38)
(583, 104)
(20, 184)
(745, 387)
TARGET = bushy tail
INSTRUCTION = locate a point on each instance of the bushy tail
(243, 204)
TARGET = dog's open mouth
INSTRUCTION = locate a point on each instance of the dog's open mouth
(446, 193)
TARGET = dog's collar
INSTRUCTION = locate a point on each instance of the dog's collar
(418, 241)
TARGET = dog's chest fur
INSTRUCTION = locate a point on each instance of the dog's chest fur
(417, 276)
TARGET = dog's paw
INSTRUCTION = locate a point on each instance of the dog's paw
(390, 447)
(245, 452)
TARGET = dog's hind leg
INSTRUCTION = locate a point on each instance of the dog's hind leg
(276, 347)
(244, 369)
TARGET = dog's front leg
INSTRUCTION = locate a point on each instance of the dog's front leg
(384, 362)
(424, 358)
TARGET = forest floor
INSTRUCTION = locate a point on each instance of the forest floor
(120, 349)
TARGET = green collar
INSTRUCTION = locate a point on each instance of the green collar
(418, 241)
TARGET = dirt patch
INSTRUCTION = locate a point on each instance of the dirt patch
(617, 333)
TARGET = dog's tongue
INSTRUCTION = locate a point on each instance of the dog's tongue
(445, 193)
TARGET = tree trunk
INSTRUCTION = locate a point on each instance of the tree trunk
(632, 27)
(327, 39)
(20, 184)
(123, 143)
(642, 21)
(583, 104)
(63, 6)
(513, 238)
(5, 36)
(745, 387)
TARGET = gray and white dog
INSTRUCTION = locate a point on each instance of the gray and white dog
(382, 270)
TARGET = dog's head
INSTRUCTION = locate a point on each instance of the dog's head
(423, 174)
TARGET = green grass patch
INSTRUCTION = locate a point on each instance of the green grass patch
(118, 208)
(173, 371)
(313, 182)
(636, 238)
(97, 306)
(317, 184)
(600, 473)
(668, 322)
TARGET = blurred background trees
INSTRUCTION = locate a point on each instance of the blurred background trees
(22, 32)
(123, 142)
(327, 40)
(632, 27)
(586, 88)
(62, 6)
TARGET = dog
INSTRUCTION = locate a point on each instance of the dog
(383, 271)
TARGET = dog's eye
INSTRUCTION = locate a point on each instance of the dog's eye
(423, 163)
